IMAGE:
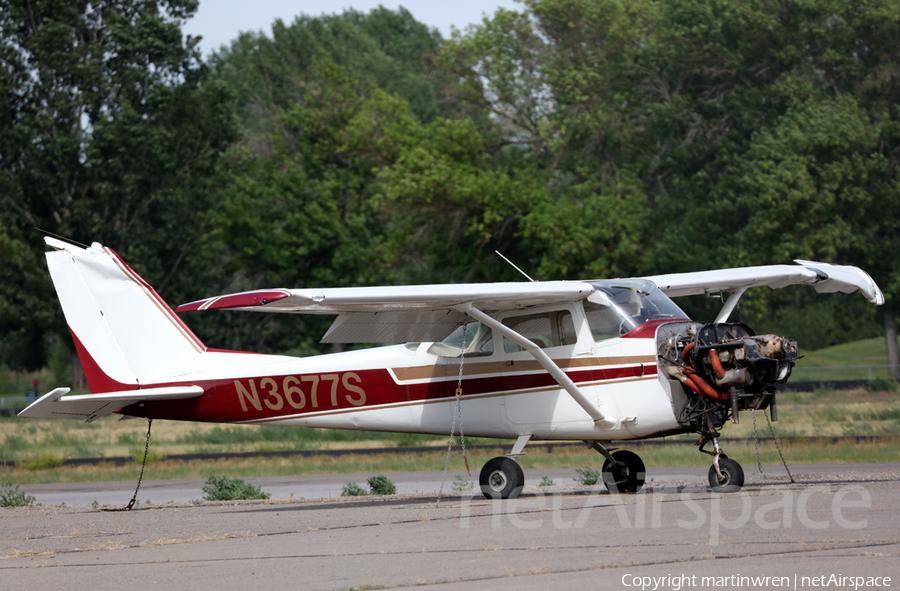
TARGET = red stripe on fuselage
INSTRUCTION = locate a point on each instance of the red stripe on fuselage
(267, 397)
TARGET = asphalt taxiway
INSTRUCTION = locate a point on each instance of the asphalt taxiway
(836, 527)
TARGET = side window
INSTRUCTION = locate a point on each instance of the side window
(478, 342)
(603, 320)
(550, 329)
(567, 333)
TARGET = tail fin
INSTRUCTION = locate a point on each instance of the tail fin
(126, 335)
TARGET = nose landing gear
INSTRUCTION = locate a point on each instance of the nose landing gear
(725, 475)
(728, 478)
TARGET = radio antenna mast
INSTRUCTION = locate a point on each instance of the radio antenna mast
(514, 266)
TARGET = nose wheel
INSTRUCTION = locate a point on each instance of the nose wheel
(725, 475)
(728, 478)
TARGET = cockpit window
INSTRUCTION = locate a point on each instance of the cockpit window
(550, 329)
(618, 307)
(478, 342)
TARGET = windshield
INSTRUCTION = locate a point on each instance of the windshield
(619, 306)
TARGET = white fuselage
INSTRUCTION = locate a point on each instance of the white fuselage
(406, 388)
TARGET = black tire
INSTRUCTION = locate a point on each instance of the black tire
(627, 479)
(501, 478)
(732, 476)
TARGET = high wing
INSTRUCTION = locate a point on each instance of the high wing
(419, 313)
(93, 406)
(337, 300)
(824, 277)
(430, 312)
(399, 313)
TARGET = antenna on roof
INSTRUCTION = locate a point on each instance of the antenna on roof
(514, 266)
(63, 238)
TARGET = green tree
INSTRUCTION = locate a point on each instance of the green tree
(451, 199)
(295, 210)
(777, 134)
(355, 166)
(561, 80)
(352, 189)
(383, 48)
(108, 132)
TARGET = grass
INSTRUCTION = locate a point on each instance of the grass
(865, 352)
(827, 364)
(887, 450)
(40, 459)
(110, 437)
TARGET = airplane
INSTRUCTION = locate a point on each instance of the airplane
(599, 361)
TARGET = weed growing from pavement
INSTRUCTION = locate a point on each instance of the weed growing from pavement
(382, 485)
(231, 489)
(587, 476)
(10, 496)
(351, 489)
(461, 484)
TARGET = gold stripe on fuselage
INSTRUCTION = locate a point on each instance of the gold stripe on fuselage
(471, 368)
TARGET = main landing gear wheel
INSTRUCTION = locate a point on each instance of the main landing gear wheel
(732, 478)
(501, 478)
(628, 476)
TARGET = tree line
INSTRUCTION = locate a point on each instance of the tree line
(580, 138)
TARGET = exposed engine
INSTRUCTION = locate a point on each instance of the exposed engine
(724, 368)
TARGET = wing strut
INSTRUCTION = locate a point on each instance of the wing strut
(729, 306)
(559, 375)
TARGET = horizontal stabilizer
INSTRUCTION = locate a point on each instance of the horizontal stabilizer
(89, 407)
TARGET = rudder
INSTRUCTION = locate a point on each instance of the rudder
(126, 335)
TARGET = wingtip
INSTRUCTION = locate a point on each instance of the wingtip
(32, 410)
(862, 281)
